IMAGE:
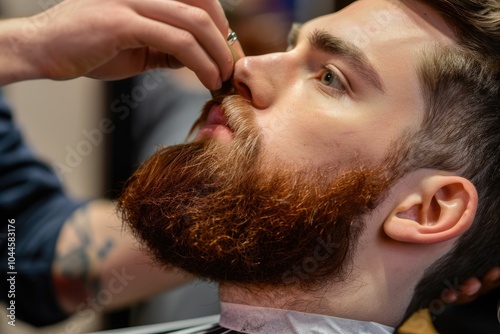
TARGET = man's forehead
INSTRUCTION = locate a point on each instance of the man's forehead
(369, 23)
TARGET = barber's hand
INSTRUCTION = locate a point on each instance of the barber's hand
(113, 39)
(473, 287)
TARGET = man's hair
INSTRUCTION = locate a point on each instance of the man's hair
(461, 134)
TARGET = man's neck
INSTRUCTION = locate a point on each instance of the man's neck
(358, 300)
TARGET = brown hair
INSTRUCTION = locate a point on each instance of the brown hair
(461, 133)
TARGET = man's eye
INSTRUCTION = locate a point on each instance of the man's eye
(330, 79)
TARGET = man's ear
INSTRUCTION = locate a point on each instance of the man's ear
(439, 208)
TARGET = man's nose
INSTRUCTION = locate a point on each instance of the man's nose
(260, 79)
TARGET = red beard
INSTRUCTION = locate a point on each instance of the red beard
(222, 212)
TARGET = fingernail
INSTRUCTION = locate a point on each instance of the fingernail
(218, 85)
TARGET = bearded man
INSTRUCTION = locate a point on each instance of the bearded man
(345, 182)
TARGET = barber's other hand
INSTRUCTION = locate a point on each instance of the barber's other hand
(113, 39)
(473, 287)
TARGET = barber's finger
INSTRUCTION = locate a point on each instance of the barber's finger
(491, 280)
(468, 291)
(470, 287)
(215, 10)
(182, 46)
(196, 21)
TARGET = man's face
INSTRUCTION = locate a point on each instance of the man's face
(303, 166)
(346, 88)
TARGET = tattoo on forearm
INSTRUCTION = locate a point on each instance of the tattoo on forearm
(80, 261)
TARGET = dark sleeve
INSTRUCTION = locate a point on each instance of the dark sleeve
(32, 196)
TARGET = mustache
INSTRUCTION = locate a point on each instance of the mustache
(237, 110)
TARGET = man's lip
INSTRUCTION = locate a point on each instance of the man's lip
(216, 116)
(216, 124)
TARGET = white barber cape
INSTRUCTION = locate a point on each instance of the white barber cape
(237, 318)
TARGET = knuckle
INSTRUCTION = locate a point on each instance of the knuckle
(185, 40)
(200, 17)
(115, 21)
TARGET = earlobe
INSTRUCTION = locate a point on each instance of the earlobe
(440, 208)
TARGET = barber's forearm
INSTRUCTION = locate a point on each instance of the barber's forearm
(100, 266)
(16, 49)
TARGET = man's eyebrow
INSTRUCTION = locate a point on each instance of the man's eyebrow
(328, 43)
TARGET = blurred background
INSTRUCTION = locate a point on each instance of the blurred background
(63, 122)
